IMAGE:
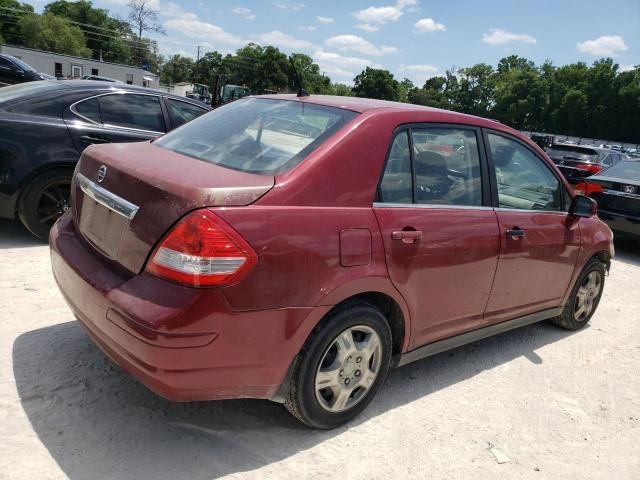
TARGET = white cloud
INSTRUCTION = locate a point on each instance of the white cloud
(339, 66)
(289, 5)
(627, 68)
(244, 12)
(358, 44)
(418, 73)
(497, 36)
(325, 20)
(189, 25)
(388, 13)
(429, 25)
(280, 39)
(606, 45)
(367, 27)
(309, 28)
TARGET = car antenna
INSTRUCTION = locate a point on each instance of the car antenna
(301, 91)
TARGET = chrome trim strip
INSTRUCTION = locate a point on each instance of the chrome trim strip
(107, 199)
(505, 209)
(618, 193)
(429, 206)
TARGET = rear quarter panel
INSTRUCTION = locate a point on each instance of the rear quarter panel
(29, 145)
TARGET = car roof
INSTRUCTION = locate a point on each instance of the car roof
(362, 105)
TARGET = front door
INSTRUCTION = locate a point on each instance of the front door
(440, 233)
(539, 242)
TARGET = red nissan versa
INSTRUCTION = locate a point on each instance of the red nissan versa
(294, 249)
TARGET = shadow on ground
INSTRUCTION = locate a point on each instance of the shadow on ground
(628, 251)
(14, 235)
(98, 422)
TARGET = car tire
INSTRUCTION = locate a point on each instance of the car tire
(332, 382)
(584, 298)
(43, 200)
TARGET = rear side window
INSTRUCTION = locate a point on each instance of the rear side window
(446, 162)
(257, 135)
(396, 186)
(524, 181)
(89, 109)
(182, 112)
(447, 165)
(142, 112)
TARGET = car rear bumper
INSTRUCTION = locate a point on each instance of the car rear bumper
(627, 225)
(183, 343)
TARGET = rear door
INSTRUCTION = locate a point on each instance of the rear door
(539, 243)
(116, 118)
(440, 233)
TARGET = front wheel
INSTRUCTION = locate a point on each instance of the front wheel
(341, 367)
(584, 298)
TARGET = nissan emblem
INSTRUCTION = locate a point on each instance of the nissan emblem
(102, 172)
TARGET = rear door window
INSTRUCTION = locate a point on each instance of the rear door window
(89, 109)
(182, 112)
(142, 112)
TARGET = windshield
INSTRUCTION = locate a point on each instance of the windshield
(257, 135)
(571, 152)
(28, 88)
(22, 65)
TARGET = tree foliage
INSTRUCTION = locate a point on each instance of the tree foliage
(376, 83)
(54, 34)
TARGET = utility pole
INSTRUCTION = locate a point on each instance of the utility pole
(198, 57)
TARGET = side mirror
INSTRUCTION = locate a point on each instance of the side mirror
(582, 206)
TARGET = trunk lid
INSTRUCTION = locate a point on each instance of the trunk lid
(127, 196)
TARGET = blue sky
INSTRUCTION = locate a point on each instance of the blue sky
(412, 38)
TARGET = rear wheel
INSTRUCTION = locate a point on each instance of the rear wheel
(341, 367)
(584, 298)
(44, 200)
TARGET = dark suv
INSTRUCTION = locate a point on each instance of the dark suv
(577, 162)
(13, 70)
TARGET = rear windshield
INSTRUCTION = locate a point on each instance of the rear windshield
(257, 135)
(28, 88)
(627, 169)
(571, 152)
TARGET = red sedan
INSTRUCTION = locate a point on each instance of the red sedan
(294, 249)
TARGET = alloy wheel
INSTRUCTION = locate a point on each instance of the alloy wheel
(53, 201)
(348, 369)
(587, 296)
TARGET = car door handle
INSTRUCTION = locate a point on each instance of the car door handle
(91, 139)
(515, 232)
(407, 236)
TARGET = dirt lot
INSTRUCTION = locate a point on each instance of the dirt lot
(555, 404)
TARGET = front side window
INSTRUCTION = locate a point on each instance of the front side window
(142, 112)
(257, 135)
(447, 166)
(182, 112)
(523, 180)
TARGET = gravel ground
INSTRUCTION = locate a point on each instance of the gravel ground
(548, 403)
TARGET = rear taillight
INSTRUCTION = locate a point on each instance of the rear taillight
(586, 188)
(202, 251)
(589, 167)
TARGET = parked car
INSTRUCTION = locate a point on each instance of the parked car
(577, 162)
(100, 79)
(617, 191)
(240, 257)
(13, 70)
(45, 126)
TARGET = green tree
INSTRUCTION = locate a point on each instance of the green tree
(476, 90)
(312, 79)
(108, 38)
(404, 87)
(342, 90)
(376, 83)
(177, 69)
(10, 13)
(53, 34)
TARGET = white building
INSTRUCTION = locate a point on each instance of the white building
(68, 66)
